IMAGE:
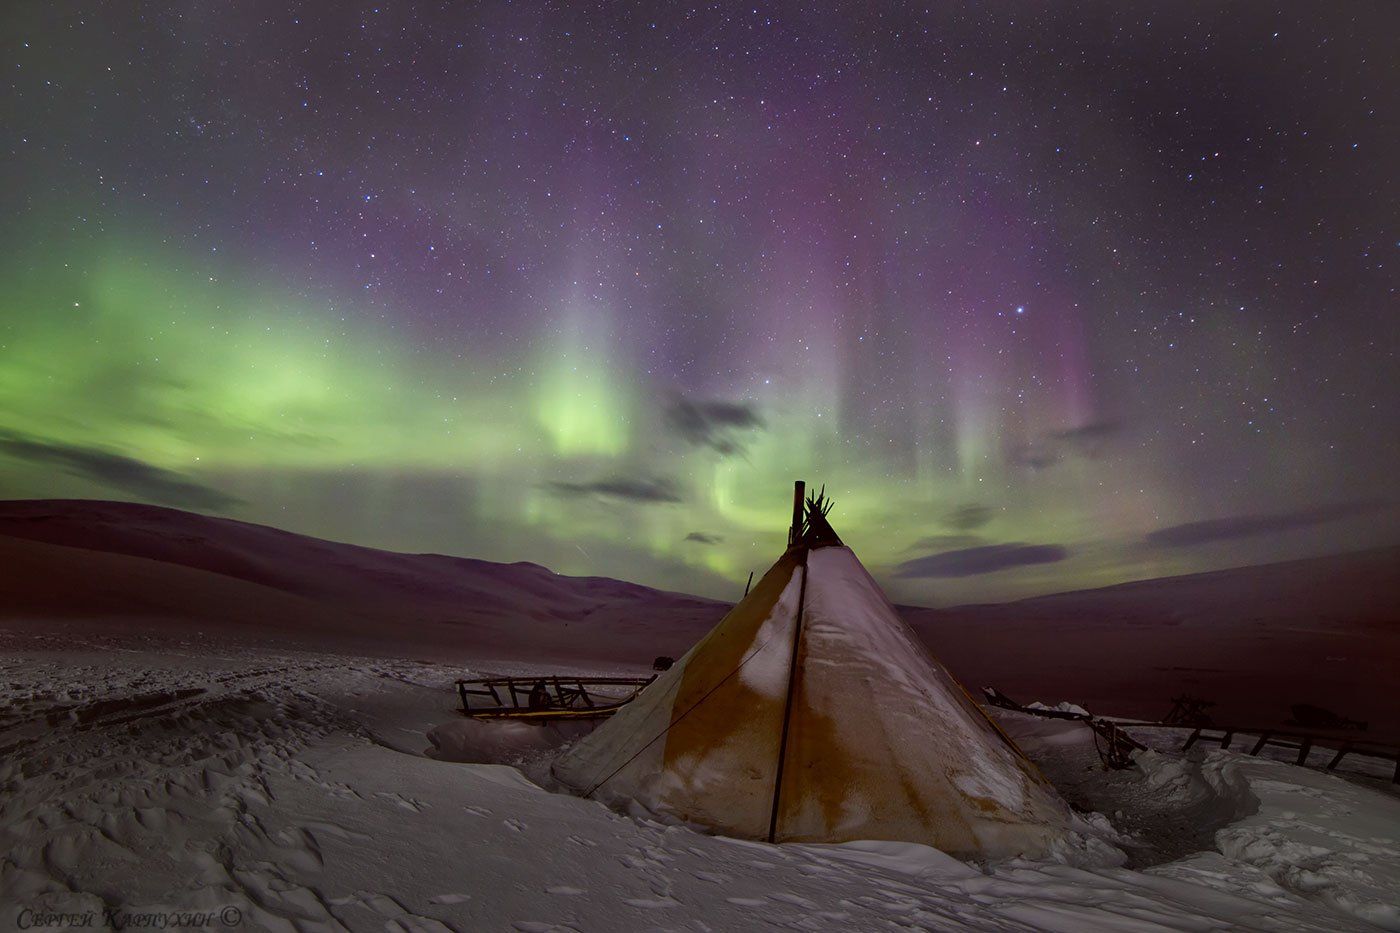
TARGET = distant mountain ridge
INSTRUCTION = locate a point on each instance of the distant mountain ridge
(1254, 640)
(258, 553)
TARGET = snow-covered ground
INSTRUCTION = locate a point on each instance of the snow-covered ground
(295, 789)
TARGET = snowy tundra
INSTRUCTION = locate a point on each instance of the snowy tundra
(311, 791)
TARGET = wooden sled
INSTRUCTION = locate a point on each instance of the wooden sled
(551, 697)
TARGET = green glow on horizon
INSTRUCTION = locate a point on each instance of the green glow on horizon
(153, 363)
(246, 388)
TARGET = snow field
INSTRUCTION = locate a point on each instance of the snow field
(295, 787)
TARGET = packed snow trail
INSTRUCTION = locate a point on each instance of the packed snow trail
(293, 788)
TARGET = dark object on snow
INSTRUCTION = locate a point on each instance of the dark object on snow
(1315, 717)
(662, 663)
(559, 696)
(996, 698)
(1188, 711)
(1116, 752)
(1304, 743)
(1116, 748)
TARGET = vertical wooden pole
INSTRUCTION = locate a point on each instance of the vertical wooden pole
(787, 707)
(799, 489)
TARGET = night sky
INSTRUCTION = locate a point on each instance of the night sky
(1049, 295)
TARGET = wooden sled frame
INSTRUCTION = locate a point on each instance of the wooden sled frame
(564, 696)
(1341, 742)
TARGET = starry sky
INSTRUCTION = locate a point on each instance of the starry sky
(1048, 295)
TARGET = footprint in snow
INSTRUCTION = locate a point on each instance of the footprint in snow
(515, 825)
(449, 899)
(382, 904)
(415, 924)
(563, 890)
(408, 803)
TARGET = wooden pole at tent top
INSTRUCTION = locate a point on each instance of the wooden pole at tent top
(799, 488)
(794, 536)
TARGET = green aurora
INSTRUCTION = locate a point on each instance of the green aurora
(313, 419)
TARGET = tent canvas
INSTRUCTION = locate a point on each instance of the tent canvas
(812, 713)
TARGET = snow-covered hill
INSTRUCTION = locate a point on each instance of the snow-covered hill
(90, 563)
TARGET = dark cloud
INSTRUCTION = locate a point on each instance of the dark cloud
(968, 517)
(134, 476)
(944, 542)
(631, 490)
(1034, 456)
(1086, 440)
(1091, 434)
(699, 537)
(978, 560)
(1192, 534)
(712, 424)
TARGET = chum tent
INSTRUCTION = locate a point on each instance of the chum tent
(813, 713)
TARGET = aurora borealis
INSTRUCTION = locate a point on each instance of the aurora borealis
(1048, 296)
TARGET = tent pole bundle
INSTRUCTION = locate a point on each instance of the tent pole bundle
(812, 713)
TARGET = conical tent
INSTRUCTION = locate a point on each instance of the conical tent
(812, 713)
